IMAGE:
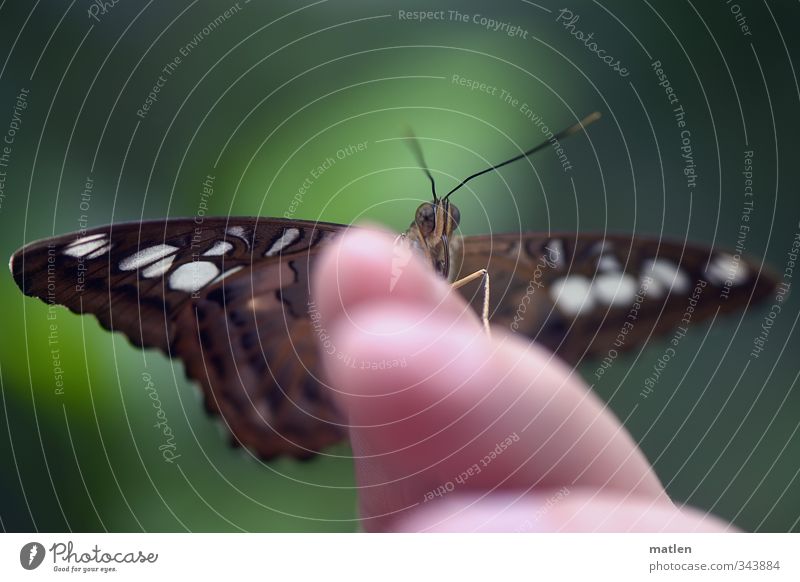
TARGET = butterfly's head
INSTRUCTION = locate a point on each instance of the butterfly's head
(435, 222)
(433, 232)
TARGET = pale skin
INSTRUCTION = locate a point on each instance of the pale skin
(419, 429)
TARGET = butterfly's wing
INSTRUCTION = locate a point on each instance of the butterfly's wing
(229, 297)
(582, 295)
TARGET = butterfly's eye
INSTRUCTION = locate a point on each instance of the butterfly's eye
(426, 218)
(455, 215)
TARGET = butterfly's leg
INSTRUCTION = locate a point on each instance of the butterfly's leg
(482, 273)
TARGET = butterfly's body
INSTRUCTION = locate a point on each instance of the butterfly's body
(433, 235)
(231, 298)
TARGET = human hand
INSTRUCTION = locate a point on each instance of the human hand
(453, 430)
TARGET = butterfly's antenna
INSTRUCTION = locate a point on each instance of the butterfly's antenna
(591, 118)
(415, 147)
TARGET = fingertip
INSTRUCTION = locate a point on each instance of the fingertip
(562, 510)
(367, 265)
(397, 359)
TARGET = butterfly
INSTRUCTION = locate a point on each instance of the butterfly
(230, 297)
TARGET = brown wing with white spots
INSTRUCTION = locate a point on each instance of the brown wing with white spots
(227, 296)
(581, 294)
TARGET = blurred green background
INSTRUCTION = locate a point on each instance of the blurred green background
(269, 92)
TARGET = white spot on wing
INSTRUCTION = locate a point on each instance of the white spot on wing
(665, 275)
(88, 238)
(727, 268)
(572, 294)
(193, 276)
(228, 273)
(159, 267)
(220, 248)
(325, 235)
(86, 245)
(289, 236)
(608, 263)
(238, 232)
(555, 251)
(614, 288)
(146, 256)
(99, 252)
